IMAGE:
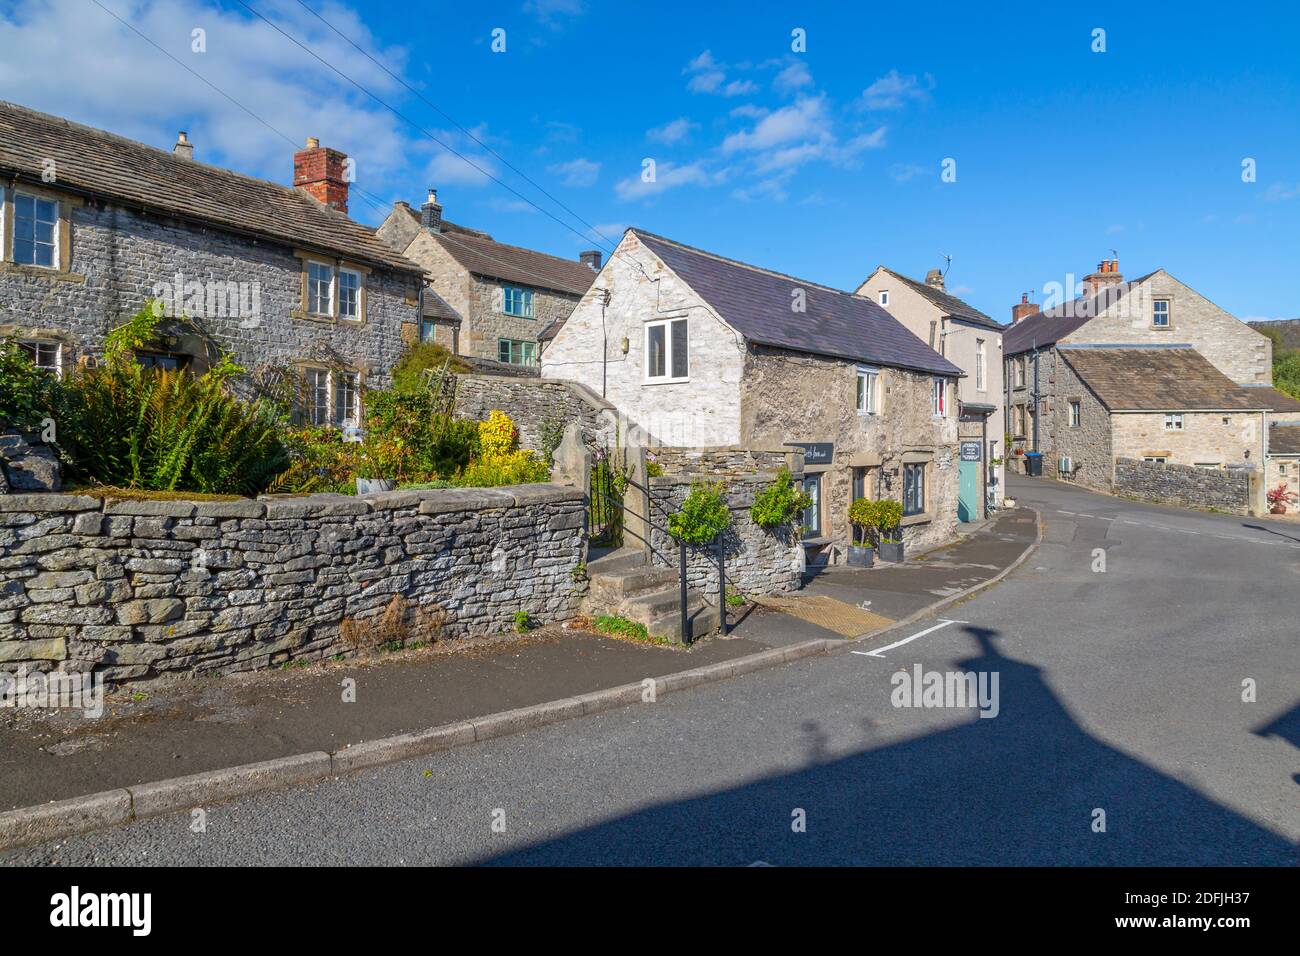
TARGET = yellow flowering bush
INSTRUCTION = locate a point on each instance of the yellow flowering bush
(497, 435)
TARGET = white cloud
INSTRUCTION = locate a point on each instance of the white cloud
(448, 169)
(667, 176)
(576, 172)
(806, 118)
(706, 82)
(551, 12)
(905, 172)
(673, 132)
(792, 78)
(893, 91)
(1281, 192)
(707, 75)
(739, 88)
(112, 79)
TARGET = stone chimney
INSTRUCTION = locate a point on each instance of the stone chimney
(183, 148)
(934, 279)
(592, 258)
(1023, 309)
(322, 174)
(431, 213)
(1106, 276)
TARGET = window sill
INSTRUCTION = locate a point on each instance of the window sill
(1161, 328)
(312, 317)
(15, 268)
(923, 518)
(665, 381)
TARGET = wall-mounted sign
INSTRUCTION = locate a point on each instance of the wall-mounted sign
(970, 450)
(815, 452)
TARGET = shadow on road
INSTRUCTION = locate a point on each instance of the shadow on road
(1020, 788)
(1273, 531)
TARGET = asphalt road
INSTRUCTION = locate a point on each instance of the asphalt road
(1121, 737)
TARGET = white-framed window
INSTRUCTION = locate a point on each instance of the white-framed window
(316, 396)
(939, 397)
(1076, 413)
(44, 355)
(980, 385)
(516, 300)
(1019, 366)
(1160, 313)
(1173, 422)
(667, 346)
(350, 294)
(884, 297)
(1281, 468)
(868, 391)
(913, 489)
(36, 231)
(320, 288)
(1155, 459)
(347, 398)
(516, 352)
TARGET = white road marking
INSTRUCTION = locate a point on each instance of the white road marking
(1161, 527)
(880, 651)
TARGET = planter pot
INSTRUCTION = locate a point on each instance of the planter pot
(891, 551)
(1278, 509)
(373, 486)
(861, 557)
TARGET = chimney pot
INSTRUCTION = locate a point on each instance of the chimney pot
(1023, 309)
(322, 174)
(591, 257)
(1107, 276)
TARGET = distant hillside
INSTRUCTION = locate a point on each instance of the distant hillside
(1288, 329)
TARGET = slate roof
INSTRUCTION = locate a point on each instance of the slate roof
(1164, 379)
(1284, 440)
(757, 303)
(1274, 400)
(949, 304)
(496, 260)
(1044, 329)
(436, 307)
(105, 165)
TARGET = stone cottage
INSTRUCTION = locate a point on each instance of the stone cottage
(972, 341)
(95, 226)
(697, 350)
(1147, 326)
(1284, 461)
(494, 301)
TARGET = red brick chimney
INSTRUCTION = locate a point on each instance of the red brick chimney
(1023, 309)
(321, 173)
(1106, 276)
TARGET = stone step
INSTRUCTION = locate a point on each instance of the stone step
(701, 620)
(613, 586)
(620, 559)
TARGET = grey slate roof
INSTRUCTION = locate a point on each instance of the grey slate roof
(496, 260)
(948, 303)
(1163, 379)
(1274, 400)
(1044, 329)
(1284, 440)
(436, 307)
(757, 303)
(118, 169)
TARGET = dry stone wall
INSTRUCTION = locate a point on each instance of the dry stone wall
(138, 589)
(536, 404)
(1206, 488)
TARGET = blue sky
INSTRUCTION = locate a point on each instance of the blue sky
(822, 163)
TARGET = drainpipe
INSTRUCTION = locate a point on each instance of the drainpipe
(984, 453)
(604, 343)
(1037, 410)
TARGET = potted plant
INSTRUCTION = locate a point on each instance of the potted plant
(862, 515)
(1279, 498)
(889, 515)
(378, 466)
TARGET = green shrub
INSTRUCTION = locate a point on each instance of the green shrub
(779, 503)
(862, 515)
(320, 460)
(616, 626)
(516, 468)
(703, 516)
(28, 394)
(522, 622)
(168, 430)
(889, 515)
(408, 373)
(406, 433)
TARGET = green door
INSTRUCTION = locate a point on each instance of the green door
(968, 491)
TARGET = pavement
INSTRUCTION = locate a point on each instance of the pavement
(1121, 738)
(179, 728)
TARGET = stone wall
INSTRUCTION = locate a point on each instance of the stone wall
(1088, 445)
(119, 256)
(1206, 438)
(138, 589)
(757, 560)
(533, 404)
(1204, 488)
